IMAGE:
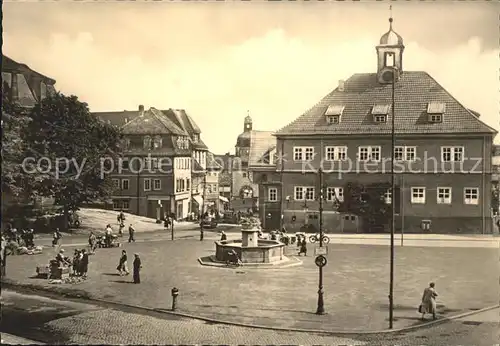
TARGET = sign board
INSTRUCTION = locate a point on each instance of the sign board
(320, 261)
(320, 251)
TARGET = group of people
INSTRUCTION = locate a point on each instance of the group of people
(79, 264)
(123, 267)
(25, 237)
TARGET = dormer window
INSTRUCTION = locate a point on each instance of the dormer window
(157, 143)
(196, 138)
(380, 113)
(334, 113)
(435, 111)
(147, 142)
(333, 119)
(126, 120)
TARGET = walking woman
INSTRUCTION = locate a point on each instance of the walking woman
(137, 269)
(303, 247)
(428, 305)
(122, 264)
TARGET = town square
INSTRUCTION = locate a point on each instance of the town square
(265, 185)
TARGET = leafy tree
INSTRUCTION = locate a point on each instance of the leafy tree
(15, 182)
(367, 202)
(72, 143)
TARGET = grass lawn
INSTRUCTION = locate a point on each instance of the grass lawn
(356, 283)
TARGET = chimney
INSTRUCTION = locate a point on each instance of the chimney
(141, 110)
(341, 85)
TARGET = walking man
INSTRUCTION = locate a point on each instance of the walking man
(131, 233)
(137, 269)
(201, 231)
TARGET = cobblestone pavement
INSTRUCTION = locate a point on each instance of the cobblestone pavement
(355, 280)
(76, 323)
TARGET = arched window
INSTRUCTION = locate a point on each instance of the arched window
(147, 142)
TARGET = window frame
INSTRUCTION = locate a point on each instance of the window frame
(123, 183)
(370, 153)
(444, 200)
(156, 180)
(337, 190)
(418, 200)
(336, 152)
(465, 195)
(297, 189)
(304, 151)
(404, 153)
(270, 192)
(453, 150)
(144, 184)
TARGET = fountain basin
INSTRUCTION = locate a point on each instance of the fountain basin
(266, 251)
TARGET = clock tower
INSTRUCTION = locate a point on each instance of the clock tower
(390, 56)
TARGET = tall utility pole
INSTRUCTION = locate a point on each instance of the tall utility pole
(282, 194)
(204, 194)
(321, 306)
(393, 206)
(138, 188)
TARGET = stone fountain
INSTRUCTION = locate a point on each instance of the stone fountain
(251, 249)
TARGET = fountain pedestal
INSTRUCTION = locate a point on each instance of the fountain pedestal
(250, 237)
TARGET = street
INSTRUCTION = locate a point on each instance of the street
(355, 283)
(59, 321)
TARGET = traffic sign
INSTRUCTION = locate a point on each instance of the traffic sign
(323, 250)
(320, 261)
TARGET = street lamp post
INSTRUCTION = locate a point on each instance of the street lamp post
(321, 306)
(393, 206)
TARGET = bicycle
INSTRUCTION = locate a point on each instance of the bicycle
(315, 238)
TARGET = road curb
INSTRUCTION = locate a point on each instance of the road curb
(75, 295)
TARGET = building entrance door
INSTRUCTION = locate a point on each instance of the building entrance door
(180, 211)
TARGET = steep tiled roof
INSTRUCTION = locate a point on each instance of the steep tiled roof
(184, 121)
(192, 123)
(212, 163)
(260, 143)
(199, 145)
(117, 118)
(10, 65)
(413, 92)
(152, 122)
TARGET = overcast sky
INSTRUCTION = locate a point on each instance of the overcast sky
(218, 60)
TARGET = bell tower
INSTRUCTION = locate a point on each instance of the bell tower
(390, 55)
(247, 126)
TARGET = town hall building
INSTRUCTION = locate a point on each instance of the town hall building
(442, 153)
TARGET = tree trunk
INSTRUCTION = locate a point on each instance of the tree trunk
(66, 219)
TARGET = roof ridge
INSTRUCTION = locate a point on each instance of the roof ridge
(460, 104)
